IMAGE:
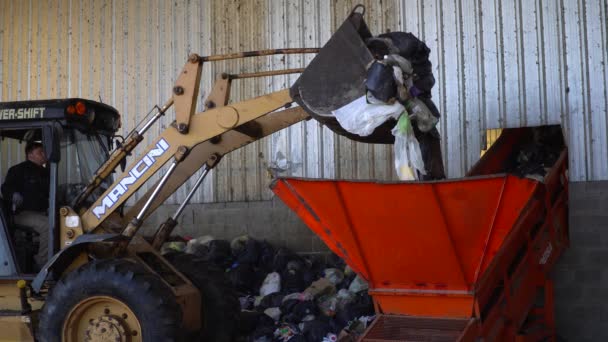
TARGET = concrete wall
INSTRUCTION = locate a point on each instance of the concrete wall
(264, 220)
(581, 275)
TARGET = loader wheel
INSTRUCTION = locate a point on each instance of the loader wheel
(220, 306)
(110, 300)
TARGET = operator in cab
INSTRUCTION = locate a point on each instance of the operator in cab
(26, 189)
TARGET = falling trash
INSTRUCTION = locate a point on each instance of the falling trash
(408, 157)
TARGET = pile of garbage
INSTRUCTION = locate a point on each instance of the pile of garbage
(285, 296)
(398, 87)
(538, 155)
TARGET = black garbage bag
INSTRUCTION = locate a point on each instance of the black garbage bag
(349, 276)
(289, 305)
(380, 47)
(316, 330)
(282, 257)
(266, 321)
(247, 302)
(272, 300)
(290, 318)
(243, 278)
(263, 334)
(200, 251)
(250, 253)
(411, 48)
(408, 46)
(265, 329)
(220, 253)
(262, 338)
(424, 82)
(265, 257)
(309, 276)
(300, 311)
(297, 264)
(292, 281)
(431, 106)
(298, 338)
(317, 266)
(248, 321)
(336, 325)
(417, 52)
(305, 308)
(380, 81)
(430, 148)
(334, 261)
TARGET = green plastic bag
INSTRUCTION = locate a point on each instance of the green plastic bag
(408, 157)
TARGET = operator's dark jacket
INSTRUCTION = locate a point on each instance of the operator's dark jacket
(32, 181)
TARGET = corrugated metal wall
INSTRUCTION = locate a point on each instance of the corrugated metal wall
(497, 64)
(512, 63)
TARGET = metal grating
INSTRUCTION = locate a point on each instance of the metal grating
(388, 328)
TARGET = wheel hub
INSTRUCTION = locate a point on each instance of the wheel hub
(106, 329)
(101, 319)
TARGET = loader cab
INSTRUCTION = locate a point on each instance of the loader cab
(76, 135)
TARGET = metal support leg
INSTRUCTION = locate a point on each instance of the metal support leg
(549, 308)
(134, 225)
(164, 231)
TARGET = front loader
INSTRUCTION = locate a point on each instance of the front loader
(103, 282)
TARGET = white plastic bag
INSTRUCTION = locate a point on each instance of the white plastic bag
(408, 158)
(274, 313)
(362, 118)
(344, 297)
(334, 275)
(271, 284)
(194, 244)
(358, 285)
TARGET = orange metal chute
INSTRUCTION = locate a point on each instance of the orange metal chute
(417, 238)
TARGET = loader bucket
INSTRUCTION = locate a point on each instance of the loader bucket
(442, 248)
(336, 77)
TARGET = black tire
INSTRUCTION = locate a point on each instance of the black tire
(220, 304)
(144, 293)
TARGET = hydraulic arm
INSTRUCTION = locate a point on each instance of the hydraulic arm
(193, 142)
